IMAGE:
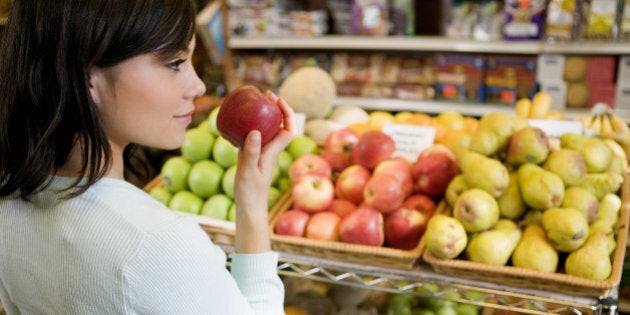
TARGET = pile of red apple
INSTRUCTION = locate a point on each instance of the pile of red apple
(356, 191)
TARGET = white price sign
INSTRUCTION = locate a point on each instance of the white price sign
(410, 140)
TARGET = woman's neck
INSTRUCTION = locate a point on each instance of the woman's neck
(72, 167)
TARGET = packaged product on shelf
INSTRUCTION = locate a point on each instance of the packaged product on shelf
(402, 17)
(369, 17)
(340, 15)
(459, 77)
(300, 22)
(293, 61)
(461, 18)
(260, 70)
(562, 20)
(490, 18)
(253, 21)
(356, 67)
(599, 19)
(408, 69)
(624, 21)
(524, 19)
(509, 78)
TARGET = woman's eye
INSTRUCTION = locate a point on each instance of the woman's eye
(175, 64)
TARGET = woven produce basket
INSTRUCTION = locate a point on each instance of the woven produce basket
(531, 279)
(222, 232)
(339, 251)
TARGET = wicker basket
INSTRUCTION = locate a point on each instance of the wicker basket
(346, 252)
(531, 279)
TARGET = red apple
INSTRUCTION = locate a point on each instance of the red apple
(401, 169)
(338, 148)
(383, 192)
(292, 222)
(338, 161)
(350, 183)
(313, 193)
(342, 207)
(404, 227)
(373, 147)
(422, 203)
(363, 226)
(246, 109)
(323, 226)
(309, 164)
(434, 169)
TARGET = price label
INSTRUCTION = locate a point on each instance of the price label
(410, 140)
(556, 128)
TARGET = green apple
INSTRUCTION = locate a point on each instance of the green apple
(273, 196)
(224, 153)
(283, 184)
(228, 181)
(217, 207)
(161, 194)
(276, 175)
(284, 161)
(301, 145)
(186, 201)
(197, 145)
(232, 213)
(212, 121)
(174, 173)
(205, 178)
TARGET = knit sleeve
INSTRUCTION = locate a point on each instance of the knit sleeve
(178, 270)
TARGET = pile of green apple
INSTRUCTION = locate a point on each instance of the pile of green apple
(428, 305)
(200, 180)
(527, 200)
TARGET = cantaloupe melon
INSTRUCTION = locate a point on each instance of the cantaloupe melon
(309, 90)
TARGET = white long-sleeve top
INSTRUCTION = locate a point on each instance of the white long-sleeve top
(116, 250)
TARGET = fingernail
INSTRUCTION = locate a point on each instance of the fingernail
(255, 138)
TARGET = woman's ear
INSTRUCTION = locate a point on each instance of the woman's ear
(96, 84)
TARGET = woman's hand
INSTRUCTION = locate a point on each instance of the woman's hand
(254, 173)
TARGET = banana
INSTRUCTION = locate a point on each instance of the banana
(616, 148)
(596, 124)
(541, 103)
(586, 121)
(523, 107)
(606, 126)
(619, 126)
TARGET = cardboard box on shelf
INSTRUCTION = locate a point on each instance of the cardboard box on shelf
(509, 78)
(460, 77)
(558, 91)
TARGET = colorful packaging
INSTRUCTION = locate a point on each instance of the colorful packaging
(459, 77)
(524, 19)
(562, 22)
(509, 78)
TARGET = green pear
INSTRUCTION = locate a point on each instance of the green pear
(540, 189)
(534, 251)
(597, 155)
(476, 209)
(511, 204)
(609, 207)
(528, 145)
(532, 216)
(566, 228)
(494, 131)
(484, 173)
(494, 246)
(572, 141)
(591, 261)
(583, 200)
(445, 236)
(601, 184)
(455, 187)
(568, 164)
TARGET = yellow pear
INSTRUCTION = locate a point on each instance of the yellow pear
(534, 251)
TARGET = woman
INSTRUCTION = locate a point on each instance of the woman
(82, 81)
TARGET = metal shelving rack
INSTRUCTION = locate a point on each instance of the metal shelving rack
(418, 281)
(424, 282)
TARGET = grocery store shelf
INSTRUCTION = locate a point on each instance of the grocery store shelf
(428, 43)
(418, 281)
(436, 107)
